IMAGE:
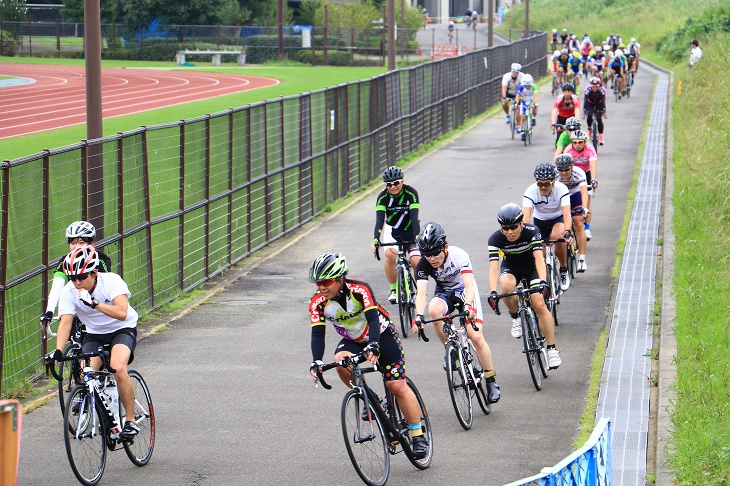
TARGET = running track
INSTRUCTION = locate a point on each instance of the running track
(56, 96)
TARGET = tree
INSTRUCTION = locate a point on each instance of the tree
(12, 10)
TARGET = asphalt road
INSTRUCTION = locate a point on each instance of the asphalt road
(233, 398)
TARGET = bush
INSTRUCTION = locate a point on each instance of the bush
(8, 44)
(675, 44)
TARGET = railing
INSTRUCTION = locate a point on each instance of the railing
(182, 202)
(588, 466)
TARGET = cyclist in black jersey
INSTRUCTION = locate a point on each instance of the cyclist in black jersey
(397, 207)
(78, 234)
(521, 245)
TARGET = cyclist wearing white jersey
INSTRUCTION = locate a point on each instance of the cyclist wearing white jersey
(550, 202)
(575, 180)
(510, 82)
(526, 98)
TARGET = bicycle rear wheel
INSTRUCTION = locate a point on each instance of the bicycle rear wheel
(458, 388)
(513, 119)
(69, 371)
(140, 449)
(531, 350)
(555, 291)
(85, 436)
(594, 131)
(404, 304)
(480, 390)
(425, 462)
(542, 343)
(365, 441)
(572, 258)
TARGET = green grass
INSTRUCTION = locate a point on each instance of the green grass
(294, 80)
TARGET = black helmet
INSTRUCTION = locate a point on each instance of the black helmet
(392, 173)
(545, 172)
(328, 266)
(563, 161)
(568, 87)
(432, 238)
(509, 214)
(573, 123)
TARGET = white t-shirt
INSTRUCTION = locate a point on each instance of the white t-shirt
(511, 84)
(547, 207)
(108, 287)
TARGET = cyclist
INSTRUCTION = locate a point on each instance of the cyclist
(451, 268)
(616, 72)
(575, 65)
(594, 103)
(521, 245)
(451, 31)
(554, 39)
(634, 49)
(596, 63)
(467, 17)
(564, 106)
(564, 38)
(585, 158)
(573, 44)
(101, 301)
(510, 82)
(79, 234)
(575, 180)
(550, 201)
(474, 17)
(364, 325)
(561, 64)
(586, 47)
(526, 98)
(571, 124)
(396, 211)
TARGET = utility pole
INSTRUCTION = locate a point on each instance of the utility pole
(281, 30)
(95, 161)
(391, 35)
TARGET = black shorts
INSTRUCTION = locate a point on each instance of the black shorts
(126, 336)
(546, 226)
(392, 360)
(521, 273)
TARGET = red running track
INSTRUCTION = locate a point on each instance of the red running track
(57, 97)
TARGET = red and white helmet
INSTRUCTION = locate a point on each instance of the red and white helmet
(80, 261)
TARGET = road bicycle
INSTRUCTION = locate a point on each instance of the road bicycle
(534, 344)
(527, 125)
(616, 91)
(374, 428)
(572, 249)
(69, 370)
(629, 83)
(595, 136)
(463, 371)
(405, 285)
(513, 117)
(94, 416)
(552, 272)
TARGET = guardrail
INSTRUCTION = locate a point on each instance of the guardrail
(588, 466)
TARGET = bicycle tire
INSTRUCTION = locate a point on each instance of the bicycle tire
(458, 388)
(87, 452)
(552, 284)
(542, 343)
(140, 449)
(572, 258)
(69, 371)
(512, 119)
(480, 390)
(366, 442)
(594, 131)
(424, 462)
(530, 350)
(554, 292)
(404, 306)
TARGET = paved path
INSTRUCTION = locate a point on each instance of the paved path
(233, 398)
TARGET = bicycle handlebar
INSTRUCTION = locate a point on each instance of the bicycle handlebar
(519, 291)
(449, 319)
(344, 362)
(405, 246)
(103, 354)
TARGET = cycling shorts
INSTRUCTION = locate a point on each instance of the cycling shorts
(546, 226)
(524, 105)
(520, 273)
(126, 336)
(576, 200)
(391, 360)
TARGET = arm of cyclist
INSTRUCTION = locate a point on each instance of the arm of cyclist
(493, 281)
(54, 295)
(421, 295)
(468, 279)
(372, 351)
(379, 223)
(317, 345)
(64, 332)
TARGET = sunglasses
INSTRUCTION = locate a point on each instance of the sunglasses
(510, 227)
(431, 255)
(80, 238)
(394, 183)
(569, 169)
(545, 184)
(79, 278)
(327, 283)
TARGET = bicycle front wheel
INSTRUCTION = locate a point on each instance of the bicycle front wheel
(542, 344)
(69, 371)
(365, 441)
(531, 350)
(481, 388)
(425, 428)
(84, 436)
(458, 387)
(140, 449)
(594, 131)
(404, 304)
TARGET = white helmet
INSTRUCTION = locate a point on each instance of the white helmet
(599, 48)
(556, 53)
(516, 66)
(633, 39)
(618, 53)
(587, 40)
(555, 31)
(81, 229)
(527, 80)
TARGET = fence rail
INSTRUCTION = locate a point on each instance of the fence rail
(183, 201)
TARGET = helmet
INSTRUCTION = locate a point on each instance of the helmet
(579, 135)
(618, 53)
(81, 229)
(564, 51)
(432, 238)
(509, 214)
(572, 36)
(80, 261)
(592, 52)
(392, 173)
(587, 40)
(565, 30)
(563, 161)
(633, 39)
(327, 266)
(576, 55)
(572, 33)
(567, 87)
(595, 81)
(622, 46)
(599, 48)
(572, 123)
(516, 66)
(545, 172)
(527, 80)
(556, 53)
(555, 31)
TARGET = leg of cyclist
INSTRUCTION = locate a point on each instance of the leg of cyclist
(544, 318)
(391, 256)
(520, 116)
(599, 117)
(438, 307)
(508, 282)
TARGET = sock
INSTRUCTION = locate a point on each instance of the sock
(551, 346)
(588, 226)
(392, 286)
(415, 429)
(581, 257)
(515, 315)
(489, 373)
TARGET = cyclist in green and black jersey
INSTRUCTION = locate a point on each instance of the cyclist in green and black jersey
(396, 212)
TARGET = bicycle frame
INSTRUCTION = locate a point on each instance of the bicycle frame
(405, 284)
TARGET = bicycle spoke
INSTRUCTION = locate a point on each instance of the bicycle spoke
(531, 350)
(458, 388)
(365, 441)
(84, 436)
(140, 449)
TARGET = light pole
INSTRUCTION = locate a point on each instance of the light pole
(94, 169)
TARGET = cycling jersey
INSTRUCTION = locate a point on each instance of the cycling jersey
(519, 253)
(511, 83)
(594, 100)
(562, 61)
(634, 48)
(108, 287)
(527, 95)
(399, 211)
(575, 63)
(563, 140)
(586, 49)
(616, 65)
(576, 180)
(546, 207)
(566, 108)
(582, 159)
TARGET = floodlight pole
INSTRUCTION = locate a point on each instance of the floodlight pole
(94, 212)
(281, 29)
(391, 35)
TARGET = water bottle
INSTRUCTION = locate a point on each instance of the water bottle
(112, 396)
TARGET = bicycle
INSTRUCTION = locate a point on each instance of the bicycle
(513, 117)
(556, 84)
(572, 249)
(527, 125)
(533, 341)
(629, 83)
(463, 372)
(70, 374)
(405, 285)
(552, 271)
(372, 428)
(93, 418)
(595, 136)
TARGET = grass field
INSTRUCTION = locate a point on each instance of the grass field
(295, 79)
